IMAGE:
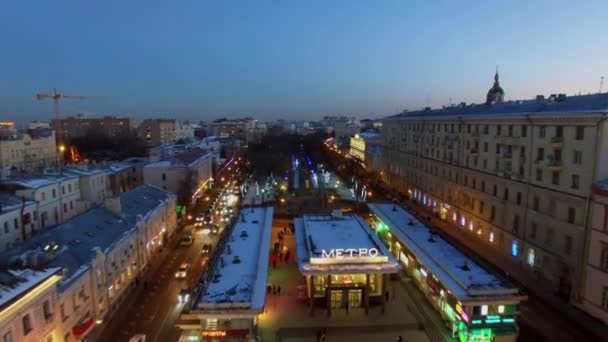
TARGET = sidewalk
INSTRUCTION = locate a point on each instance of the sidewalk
(513, 270)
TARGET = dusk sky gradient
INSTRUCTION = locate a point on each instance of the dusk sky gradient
(288, 59)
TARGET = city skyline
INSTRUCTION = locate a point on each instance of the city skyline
(201, 61)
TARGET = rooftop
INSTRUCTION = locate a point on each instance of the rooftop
(143, 200)
(183, 159)
(38, 181)
(74, 171)
(592, 103)
(70, 245)
(10, 202)
(463, 276)
(237, 279)
(16, 283)
(340, 244)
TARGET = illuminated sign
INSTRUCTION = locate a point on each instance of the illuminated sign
(214, 333)
(225, 333)
(349, 252)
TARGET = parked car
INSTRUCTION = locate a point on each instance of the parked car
(182, 271)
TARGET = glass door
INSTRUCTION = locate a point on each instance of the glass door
(354, 298)
(336, 299)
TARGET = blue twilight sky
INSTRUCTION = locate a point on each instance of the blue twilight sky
(291, 59)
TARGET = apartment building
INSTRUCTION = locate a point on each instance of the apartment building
(101, 253)
(158, 131)
(344, 129)
(79, 126)
(27, 152)
(27, 305)
(243, 129)
(126, 175)
(56, 196)
(94, 186)
(16, 220)
(516, 175)
(193, 167)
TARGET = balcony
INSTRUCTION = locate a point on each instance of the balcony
(506, 155)
(474, 152)
(557, 142)
(475, 134)
(554, 165)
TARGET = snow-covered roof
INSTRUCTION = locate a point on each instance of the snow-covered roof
(74, 241)
(143, 200)
(459, 273)
(240, 285)
(16, 283)
(38, 181)
(319, 240)
(9, 203)
(72, 171)
(186, 158)
(369, 135)
(593, 103)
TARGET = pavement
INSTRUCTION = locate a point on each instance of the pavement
(286, 319)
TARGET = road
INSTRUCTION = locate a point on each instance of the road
(155, 310)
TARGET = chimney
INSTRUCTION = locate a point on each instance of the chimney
(113, 204)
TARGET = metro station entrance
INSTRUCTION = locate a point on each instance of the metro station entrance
(342, 297)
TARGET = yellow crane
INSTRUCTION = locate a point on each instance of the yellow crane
(56, 96)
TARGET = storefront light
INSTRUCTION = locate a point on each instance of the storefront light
(491, 237)
(423, 271)
(514, 248)
(463, 221)
(471, 225)
(501, 309)
(484, 310)
(454, 217)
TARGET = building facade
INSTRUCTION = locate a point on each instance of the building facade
(192, 168)
(16, 220)
(595, 288)
(79, 126)
(363, 142)
(514, 175)
(158, 131)
(243, 129)
(28, 301)
(344, 129)
(27, 152)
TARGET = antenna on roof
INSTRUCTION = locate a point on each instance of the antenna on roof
(601, 83)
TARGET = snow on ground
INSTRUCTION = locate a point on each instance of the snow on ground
(442, 259)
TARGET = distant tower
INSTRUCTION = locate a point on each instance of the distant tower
(495, 94)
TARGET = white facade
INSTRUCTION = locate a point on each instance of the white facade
(94, 187)
(24, 153)
(31, 316)
(517, 182)
(595, 295)
(16, 220)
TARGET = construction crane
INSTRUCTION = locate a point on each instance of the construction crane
(56, 96)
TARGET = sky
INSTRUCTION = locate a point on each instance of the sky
(200, 60)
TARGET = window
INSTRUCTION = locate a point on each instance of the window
(568, 245)
(497, 148)
(540, 154)
(485, 129)
(506, 194)
(46, 309)
(557, 155)
(70, 187)
(510, 130)
(605, 298)
(580, 132)
(531, 257)
(65, 207)
(27, 324)
(555, 177)
(522, 152)
(524, 131)
(571, 215)
(63, 189)
(71, 205)
(542, 131)
(604, 261)
(485, 147)
(54, 193)
(501, 308)
(516, 224)
(64, 317)
(491, 237)
(498, 129)
(559, 131)
(533, 228)
(164, 176)
(577, 158)
(575, 181)
(539, 175)
(484, 308)
(44, 196)
(6, 230)
(8, 337)
(535, 203)
(518, 199)
(492, 213)
(481, 205)
(16, 224)
(483, 186)
(495, 191)
(485, 163)
(466, 180)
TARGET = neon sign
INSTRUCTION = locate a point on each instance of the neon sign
(214, 333)
(349, 252)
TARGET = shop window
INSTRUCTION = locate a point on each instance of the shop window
(514, 248)
(531, 257)
(484, 310)
(501, 309)
(491, 237)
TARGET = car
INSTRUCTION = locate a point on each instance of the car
(184, 295)
(199, 218)
(206, 248)
(208, 219)
(186, 240)
(213, 229)
(182, 271)
(138, 338)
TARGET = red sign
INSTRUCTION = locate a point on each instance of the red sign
(432, 283)
(83, 327)
(225, 333)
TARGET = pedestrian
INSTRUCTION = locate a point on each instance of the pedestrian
(287, 255)
(386, 295)
(279, 290)
(399, 339)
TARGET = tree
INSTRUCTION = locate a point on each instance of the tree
(187, 188)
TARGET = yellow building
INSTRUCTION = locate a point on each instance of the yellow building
(26, 152)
